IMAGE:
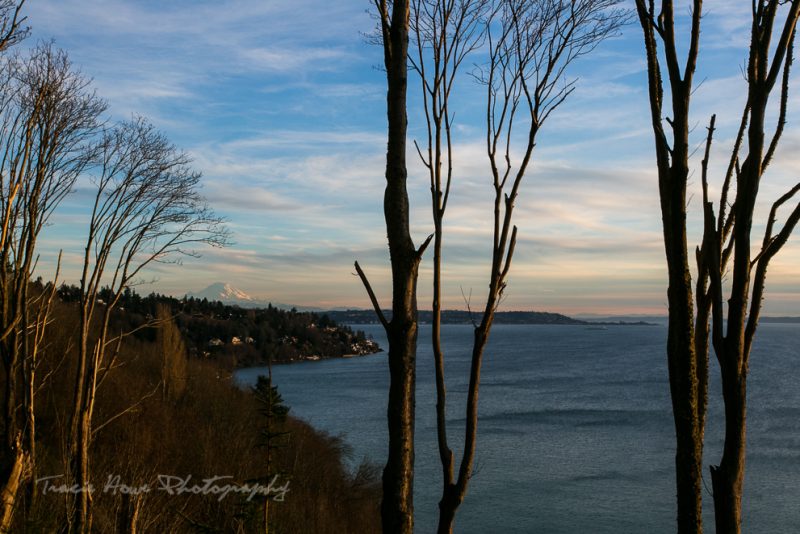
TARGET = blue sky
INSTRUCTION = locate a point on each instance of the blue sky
(282, 107)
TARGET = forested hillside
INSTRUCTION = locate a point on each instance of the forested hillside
(173, 432)
(239, 337)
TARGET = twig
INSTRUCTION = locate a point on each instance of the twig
(469, 308)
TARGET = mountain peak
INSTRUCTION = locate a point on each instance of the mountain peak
(227, 294)
(223, 292)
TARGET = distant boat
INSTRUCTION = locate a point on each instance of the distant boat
(596, 328)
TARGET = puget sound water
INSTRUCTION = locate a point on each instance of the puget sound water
(575, 431)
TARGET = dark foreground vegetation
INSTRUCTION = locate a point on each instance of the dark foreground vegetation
(166, 423)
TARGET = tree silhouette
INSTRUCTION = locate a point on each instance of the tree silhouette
(726, 246)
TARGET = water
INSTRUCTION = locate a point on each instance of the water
(575, 431)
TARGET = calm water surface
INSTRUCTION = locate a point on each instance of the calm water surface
(575, 431)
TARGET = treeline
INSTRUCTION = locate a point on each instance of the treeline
(238, 337)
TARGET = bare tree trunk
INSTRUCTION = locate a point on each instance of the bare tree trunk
(83, 520)
(724, 235)
(448, 506)
(19, 471)
(528, 46)
(727, 479)
(397, 508)
(129, 513)
(82, 501)
(682, 358)
(733, 351)
(687, 368)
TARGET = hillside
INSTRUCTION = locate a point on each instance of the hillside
(239, 337)
(164, 420)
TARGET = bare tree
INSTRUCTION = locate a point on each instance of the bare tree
(529, 45)
(726, 237)
(688, 367)
(397, 506)
(445, 32)
(147, 208)
(47, 118)
(12, 30)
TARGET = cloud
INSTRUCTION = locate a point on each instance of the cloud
(232, 196)
(280, 107)
(272, 59)
(301, 141)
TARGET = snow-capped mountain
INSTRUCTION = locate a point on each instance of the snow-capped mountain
(227, 294)
(224, 293)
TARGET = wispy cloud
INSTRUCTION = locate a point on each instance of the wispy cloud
(273, 59)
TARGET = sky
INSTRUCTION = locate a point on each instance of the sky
(281, 106)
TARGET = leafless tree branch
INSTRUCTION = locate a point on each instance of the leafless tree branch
(373, 299)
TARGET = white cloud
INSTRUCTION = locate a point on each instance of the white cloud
(275, 59)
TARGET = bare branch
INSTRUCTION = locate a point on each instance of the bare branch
(12, 30)
(133, 407)
(772, 244)
(468, 304)
(424, 246)
(784, 99)
(376, 306)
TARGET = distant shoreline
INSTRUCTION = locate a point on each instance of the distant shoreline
(783, 320)
(359, 317)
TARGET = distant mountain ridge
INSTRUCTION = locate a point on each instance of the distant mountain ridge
(232, 296)
(465, 317)
(227, 294)
(783, 319)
